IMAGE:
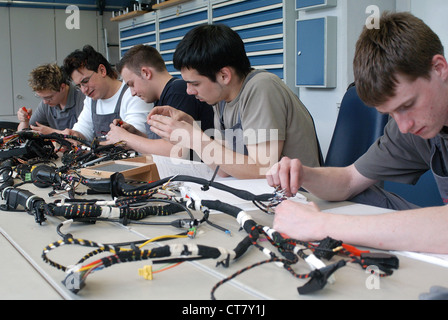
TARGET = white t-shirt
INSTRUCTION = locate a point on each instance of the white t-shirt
(133, 111)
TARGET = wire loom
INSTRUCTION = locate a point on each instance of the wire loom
(290, 249)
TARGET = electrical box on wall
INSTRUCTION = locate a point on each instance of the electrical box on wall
(316, 52)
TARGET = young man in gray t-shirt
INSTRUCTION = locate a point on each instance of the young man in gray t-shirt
(400, 69)
(257, 118)
(61, 102)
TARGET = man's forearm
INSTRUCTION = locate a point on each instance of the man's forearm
(144, 145)
(23, 125)
(231, 163)
(334, 184)
(419, 230)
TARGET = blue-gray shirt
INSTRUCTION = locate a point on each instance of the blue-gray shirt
(55, 117)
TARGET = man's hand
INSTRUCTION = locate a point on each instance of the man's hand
(119, 133)
(299, 221)
(24, 115)
(42, 129)
(175, 126)
(172, 113)
(287, 174)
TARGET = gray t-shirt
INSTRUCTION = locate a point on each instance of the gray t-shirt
(398, 157)
(268, 111)
(57, 118)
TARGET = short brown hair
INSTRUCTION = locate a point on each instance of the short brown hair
(47, 77)
(403, 45)
(141, 55)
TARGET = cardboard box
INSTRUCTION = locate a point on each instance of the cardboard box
(139, 169)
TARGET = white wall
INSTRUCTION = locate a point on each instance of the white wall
(434, 13)
(30, 37)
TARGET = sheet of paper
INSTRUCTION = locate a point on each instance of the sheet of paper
(168, 167)
(255, 186)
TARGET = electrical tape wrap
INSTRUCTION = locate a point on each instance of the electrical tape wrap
(89, 210)
(244, 219)
(119, 187)
(173, 251)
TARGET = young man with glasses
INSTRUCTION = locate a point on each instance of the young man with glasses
(61, 102)
(107, 98)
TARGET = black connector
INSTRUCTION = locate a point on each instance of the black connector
(325, 248)
(384, 261)
(44, 176)
(319, 278)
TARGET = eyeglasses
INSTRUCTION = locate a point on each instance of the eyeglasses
(84, 81)
(47, 99)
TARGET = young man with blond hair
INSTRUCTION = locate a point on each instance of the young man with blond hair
(61, 102)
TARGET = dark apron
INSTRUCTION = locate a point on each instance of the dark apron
(234, 136)
(101, 122)
(438, 166)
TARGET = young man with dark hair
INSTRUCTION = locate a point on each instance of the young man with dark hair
(144, 71)
(107, 98)
(61, 102)
(258, 119)
(400, 69)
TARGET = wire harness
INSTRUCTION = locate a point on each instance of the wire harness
(291, 252)
(134, 203)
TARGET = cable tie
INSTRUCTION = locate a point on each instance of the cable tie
(206, 186)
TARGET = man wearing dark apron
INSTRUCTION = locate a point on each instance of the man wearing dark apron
(101, 122)
(107, 97)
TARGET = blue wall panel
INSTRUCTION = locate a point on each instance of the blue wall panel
(243, 6)
(138, 30)
(311, 45)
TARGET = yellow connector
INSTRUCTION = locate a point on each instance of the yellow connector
(146, 272)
